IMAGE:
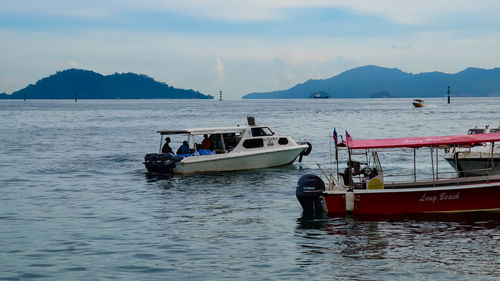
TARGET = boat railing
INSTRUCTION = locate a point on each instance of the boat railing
(390, 180)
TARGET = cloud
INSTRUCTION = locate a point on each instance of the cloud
(277, 63)
(400, 11)
(278, 43)
(219, 69)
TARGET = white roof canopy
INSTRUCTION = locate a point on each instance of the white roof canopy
(201, 131)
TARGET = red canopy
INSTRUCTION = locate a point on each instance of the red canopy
(423, 141)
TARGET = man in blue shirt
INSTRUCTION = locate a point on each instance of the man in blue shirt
(184, 148)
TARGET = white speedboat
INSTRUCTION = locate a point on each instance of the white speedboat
(477, 160)
(230, 149)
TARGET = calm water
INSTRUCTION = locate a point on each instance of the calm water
(76, 202)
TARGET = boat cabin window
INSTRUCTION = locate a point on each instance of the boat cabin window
(231, 140)
(253, 143)
(283, 141)
(260, 132)
(495, 130)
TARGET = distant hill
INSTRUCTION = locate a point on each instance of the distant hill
(371, 81)
(381, 94)
(91, 85)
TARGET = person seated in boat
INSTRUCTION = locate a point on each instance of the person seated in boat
(201, 150)
(206, 143)
(230, 141)
(216, 143)
(184, 148)
(353, 169)
(166, 147)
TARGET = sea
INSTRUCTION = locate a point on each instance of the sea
(76, 202)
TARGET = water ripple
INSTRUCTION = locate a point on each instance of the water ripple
(77, 203)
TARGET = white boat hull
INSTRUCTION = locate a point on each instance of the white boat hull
(225, 149)
(239, 161)
(475, 163)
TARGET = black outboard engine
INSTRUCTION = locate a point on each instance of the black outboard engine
(161, 163)
(310, 193)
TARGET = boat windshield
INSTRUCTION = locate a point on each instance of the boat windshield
(261, 131)
(376, 161)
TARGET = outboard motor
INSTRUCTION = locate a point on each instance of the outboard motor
(161, 163)
(310, 193)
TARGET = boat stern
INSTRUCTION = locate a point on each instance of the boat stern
(309, 192)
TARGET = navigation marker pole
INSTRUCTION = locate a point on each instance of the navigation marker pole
(76, 97)
(448, 94)
(220, 95)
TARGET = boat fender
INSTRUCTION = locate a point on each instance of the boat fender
(349, 200)
(306, 151)
(309, 192)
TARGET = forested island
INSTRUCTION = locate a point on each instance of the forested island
(380, 82)
(86, 84)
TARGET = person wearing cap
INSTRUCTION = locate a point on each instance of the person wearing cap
(166, 147)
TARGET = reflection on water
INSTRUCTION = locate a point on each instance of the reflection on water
(436, 245)
(78, 204)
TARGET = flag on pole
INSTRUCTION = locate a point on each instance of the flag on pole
(335, 137)
(347, 137)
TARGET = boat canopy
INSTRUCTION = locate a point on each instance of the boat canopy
(201, 131)
(423, 141)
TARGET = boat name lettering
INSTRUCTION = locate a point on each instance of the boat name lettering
(429, 139)
(427, 198)
(445, 196)
(442, 197)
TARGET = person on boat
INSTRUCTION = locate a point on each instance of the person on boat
(184, 148)
(206, 143)
(353, 169)
(166, 147)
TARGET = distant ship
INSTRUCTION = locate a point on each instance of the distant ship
(321, 95)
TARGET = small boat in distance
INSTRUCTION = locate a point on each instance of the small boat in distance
(418, 103)
(320, 95)
(224, 149)
(477, 160)
(371, 192)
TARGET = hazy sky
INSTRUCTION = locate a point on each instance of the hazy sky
(242, 46)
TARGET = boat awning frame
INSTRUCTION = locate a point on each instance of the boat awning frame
(201, 131)
(417, 142)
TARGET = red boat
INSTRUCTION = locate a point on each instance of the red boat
(367, 192)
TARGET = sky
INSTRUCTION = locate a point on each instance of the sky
(241, 46)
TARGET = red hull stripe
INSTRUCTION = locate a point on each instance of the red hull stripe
(483, 197)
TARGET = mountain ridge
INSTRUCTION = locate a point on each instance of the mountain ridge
(87, 84)
(364, 81)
